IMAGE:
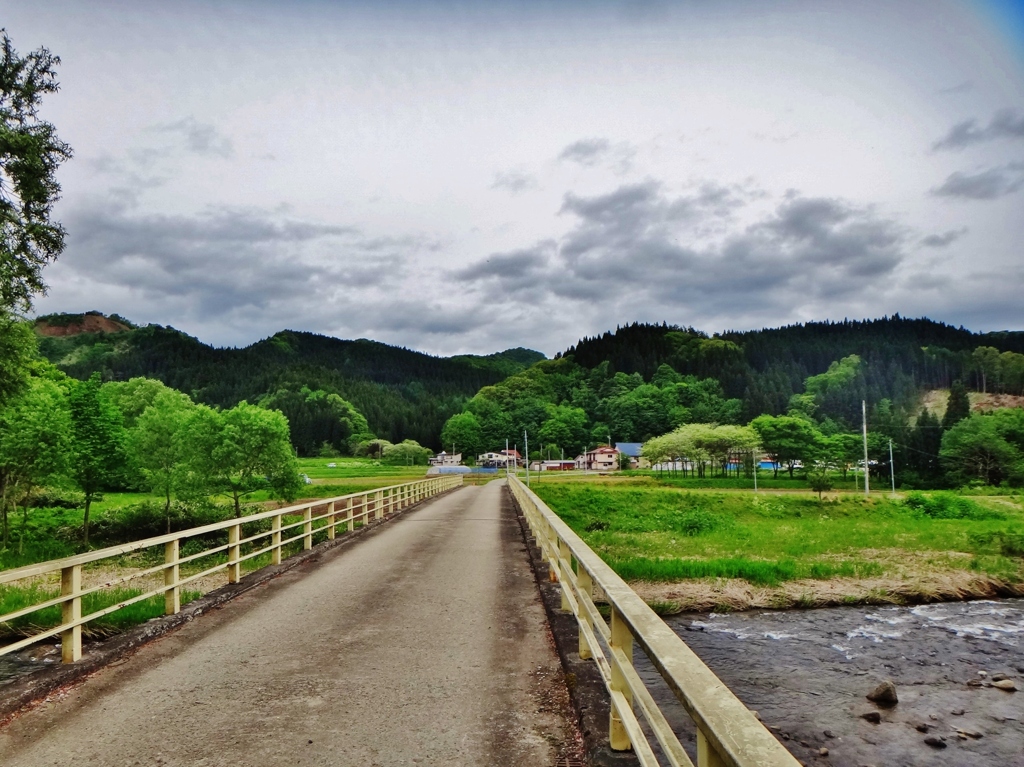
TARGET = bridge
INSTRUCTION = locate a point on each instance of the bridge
(406, 628)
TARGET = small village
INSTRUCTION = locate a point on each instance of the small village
(603, 458)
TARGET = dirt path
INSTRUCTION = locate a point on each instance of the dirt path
(425, 644)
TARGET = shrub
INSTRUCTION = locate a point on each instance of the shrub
(1009, 542)
(945, 505)
(56, 498)
(147, 520)
(697, 521)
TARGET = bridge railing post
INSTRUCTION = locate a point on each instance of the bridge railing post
(585, 584)
(71, 610)
(551, 552)
(706, 754)
(564, 561)
(172, 572)
(307, 528)
(378, 505)
(234, 566)
(621, 645)
(350, 523)
(330, 521)
(275, 540)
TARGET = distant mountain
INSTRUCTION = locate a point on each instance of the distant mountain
(403, 394)
(508, 362)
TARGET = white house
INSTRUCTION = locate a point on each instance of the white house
(446, 459)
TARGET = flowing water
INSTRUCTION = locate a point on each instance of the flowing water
(807, 672)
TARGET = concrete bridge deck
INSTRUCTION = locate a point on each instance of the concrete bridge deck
(426, 643)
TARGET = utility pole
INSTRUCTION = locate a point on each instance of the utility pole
(506, 458)
(892, 470)
(526, 447)
(864, 423)
(756, 463)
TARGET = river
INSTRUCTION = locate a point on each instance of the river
(807, 672)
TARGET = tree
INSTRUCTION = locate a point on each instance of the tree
(160, 445)
(17, 352)
(819, 480)
(1011, 371)
(787, 439)
(35, 433)
(30, 153)
(988, 447)
(240, 451)
(133, 396)
(316, 416)
(408, 452)
(566, 427)
(843, 449)
(925, 441)
(372, 448)
(97, 442)
(958, 407)
(462, 434)
(986, 362)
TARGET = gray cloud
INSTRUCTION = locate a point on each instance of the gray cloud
(990, 184)
(200, 138)
(516, 266)
(591, 152)
(234, 268)
(638, 248)
(588, 151)
(1005, 124)
(945, 239)
(514, 181)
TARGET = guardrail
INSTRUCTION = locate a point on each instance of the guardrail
(727, 732)
(349, 510)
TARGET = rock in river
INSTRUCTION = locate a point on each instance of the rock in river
(884, 694)
(1005, 684)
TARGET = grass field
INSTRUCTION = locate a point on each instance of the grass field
(653, 533)
(357, 468)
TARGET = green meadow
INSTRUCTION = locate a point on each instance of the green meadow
(649, 532)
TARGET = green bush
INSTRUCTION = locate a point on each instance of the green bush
(1009, 543)
(147, 520)
(945, 505)
(697, 521)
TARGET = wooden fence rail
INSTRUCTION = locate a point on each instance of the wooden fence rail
(348, 510)
(727, 732)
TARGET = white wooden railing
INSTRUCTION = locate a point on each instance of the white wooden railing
(348, 510)
(727, 732)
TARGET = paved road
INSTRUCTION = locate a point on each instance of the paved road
(424, 644)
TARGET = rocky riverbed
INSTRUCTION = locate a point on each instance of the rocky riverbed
(807, 673)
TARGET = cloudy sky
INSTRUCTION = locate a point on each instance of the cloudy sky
(469, 176)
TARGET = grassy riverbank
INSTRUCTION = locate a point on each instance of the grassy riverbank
(692, 547)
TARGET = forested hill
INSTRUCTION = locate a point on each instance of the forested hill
(765, 368)
(643, 381)
(402, 393)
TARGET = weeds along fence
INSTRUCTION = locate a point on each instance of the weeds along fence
(181, 558)
(728, 734)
